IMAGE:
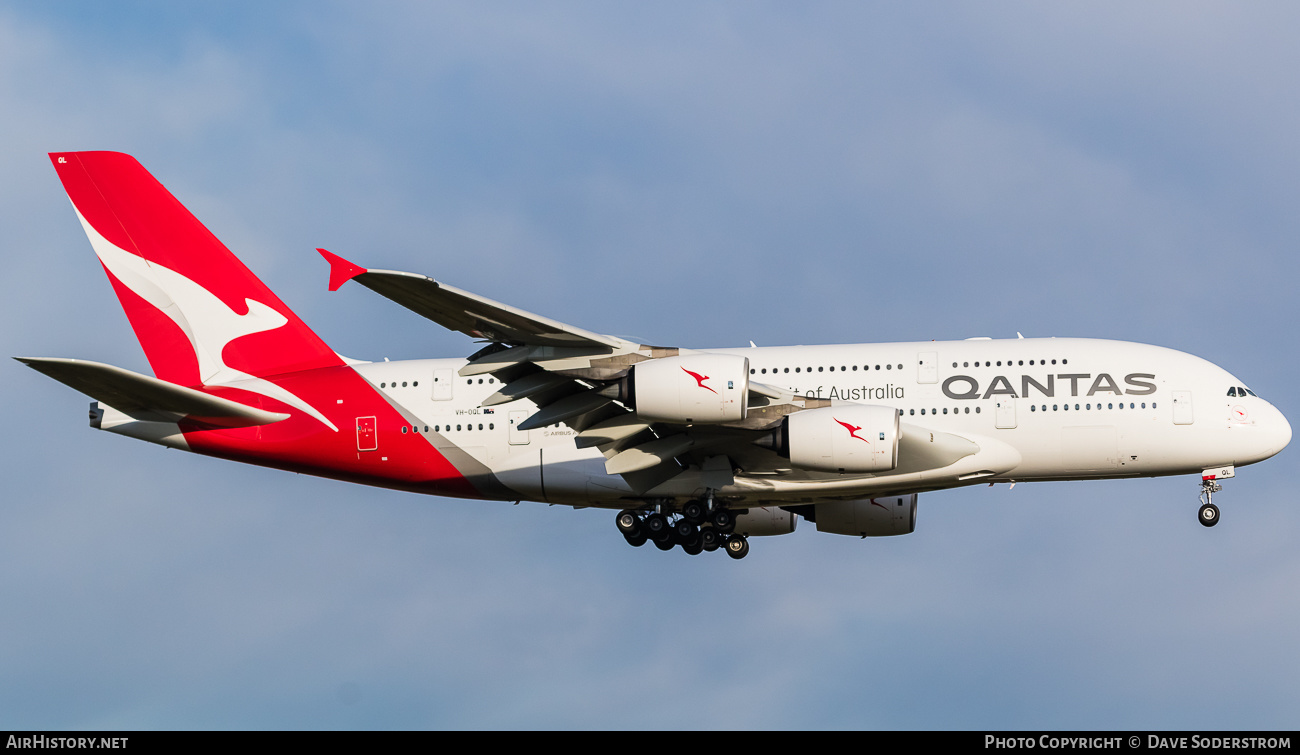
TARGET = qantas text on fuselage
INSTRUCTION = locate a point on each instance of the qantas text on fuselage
(697, 449)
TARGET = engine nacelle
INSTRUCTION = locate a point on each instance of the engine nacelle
(845, 438)
(698, 388)
(872, 517)
(765, 520)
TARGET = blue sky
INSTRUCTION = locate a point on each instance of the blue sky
(694, 174)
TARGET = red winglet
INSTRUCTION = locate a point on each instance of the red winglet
(341, 271)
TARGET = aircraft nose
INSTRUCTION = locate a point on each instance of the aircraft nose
(1280, 429)
(1275, 436)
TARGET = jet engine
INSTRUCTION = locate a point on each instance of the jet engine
(870, 517)
(765, 520)
(845, 438)
(697, 388)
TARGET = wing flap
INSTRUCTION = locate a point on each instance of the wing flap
(147, 397)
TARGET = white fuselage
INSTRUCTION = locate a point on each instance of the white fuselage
(1039, 409)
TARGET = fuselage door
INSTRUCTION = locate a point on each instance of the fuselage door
(442, 382)
(367, 434)
(1182, 407)
(1005, 413)
(927, 367)
(518, 437)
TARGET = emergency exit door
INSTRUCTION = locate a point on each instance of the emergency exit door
(1005, 413)
(518, 437)
(367, 434)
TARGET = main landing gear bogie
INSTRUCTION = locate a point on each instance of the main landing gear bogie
(698, 529)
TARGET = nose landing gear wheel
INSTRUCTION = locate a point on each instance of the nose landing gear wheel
(1209, 513)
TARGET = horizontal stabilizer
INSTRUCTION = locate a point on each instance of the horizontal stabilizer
(149, 398)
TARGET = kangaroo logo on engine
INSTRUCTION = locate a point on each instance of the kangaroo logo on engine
(853, 430)
(699, 379)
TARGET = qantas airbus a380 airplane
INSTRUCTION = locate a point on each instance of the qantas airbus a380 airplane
(700, 449)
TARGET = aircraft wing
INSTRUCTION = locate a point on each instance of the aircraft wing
(149, 398)
(573, 376)
(469, 313)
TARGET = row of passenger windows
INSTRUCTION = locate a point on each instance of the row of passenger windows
(868, 368)
(1066, 407)
(936, 411)
(854, 368)
(1020, 363)
(469, 381)
(439, 428)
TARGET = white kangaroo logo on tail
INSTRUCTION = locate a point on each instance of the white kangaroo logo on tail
(207, 322)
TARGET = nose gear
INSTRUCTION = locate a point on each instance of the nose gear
(1209, 513)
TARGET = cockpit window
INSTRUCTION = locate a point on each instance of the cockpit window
(1241, 391)
(1232, 392)
(1247, 390)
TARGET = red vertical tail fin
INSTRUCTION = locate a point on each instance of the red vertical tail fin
(200, 314)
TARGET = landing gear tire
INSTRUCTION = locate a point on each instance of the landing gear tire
(693, 549)
(628, 523)
(724, 520)
(709, 539)
(654, 525)
(694, 512)
(636, 540)
(1209, 515)
(686, 532)
(737, 546)
(666, 543)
